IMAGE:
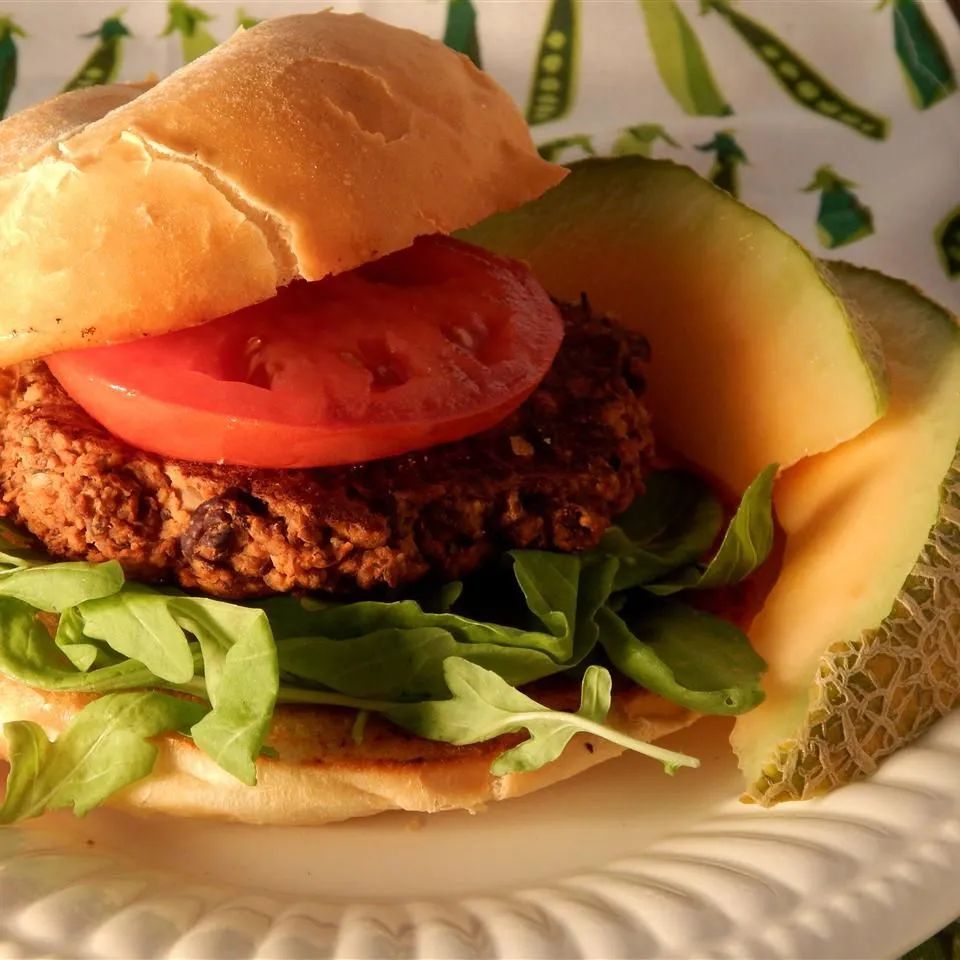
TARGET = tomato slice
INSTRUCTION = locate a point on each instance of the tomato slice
(425, 346)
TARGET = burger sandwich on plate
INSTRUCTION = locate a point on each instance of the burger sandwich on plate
(343, 474)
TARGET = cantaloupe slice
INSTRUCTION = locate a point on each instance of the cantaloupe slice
(862, 629)
(755, 360)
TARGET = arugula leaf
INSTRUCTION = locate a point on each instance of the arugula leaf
(242, 677)
(50, 586)
(687, 656)
(674, 505)
(139, 623)
(400, 663)
(550, 583)
(55, 587)
(347, 621)
(19, 549)
(395, 651)
(446, 597)
(71, 640)
(596, 585)
(398, 649)
(240, 668)
(28, 653)
(548, 738)
(104, 749)
(673, 523)
(148, 627)
(482, 706)
(745, 545)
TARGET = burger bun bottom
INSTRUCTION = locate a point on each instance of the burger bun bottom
(323, 775)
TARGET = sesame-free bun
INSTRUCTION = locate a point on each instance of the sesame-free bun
(322, 775)
(302, 147)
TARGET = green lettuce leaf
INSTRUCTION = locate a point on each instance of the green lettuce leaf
(18, 549)
(139, 623)
(687, 656)
(104, 749)
(240, 670)
(56, 587)
(400, 663)
(71, 640)
(53, 587)
(543, 587)
(673, 523)
(483, 706)
(550, 583)
(396, 651)
(242, 679)
(745, 545)
(28, 653)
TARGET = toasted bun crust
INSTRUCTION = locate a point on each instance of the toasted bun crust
(322, 776)
(303, 147)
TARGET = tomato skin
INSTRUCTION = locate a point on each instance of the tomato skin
(422, 347)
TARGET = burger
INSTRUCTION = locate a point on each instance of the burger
(314, 510)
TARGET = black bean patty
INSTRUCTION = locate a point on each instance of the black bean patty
(552, 475)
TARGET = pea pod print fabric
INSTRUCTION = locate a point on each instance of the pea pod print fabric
(244, 20)
(948, 242)
(461, 30)
(103, 65)
(188, 22)
(926, 69)
(728, 155)
(841, 217)
(640, 140)
(680, 60)
(804, 84)
(555, 71)
(9, 32)
(555, 150)
(854, 101)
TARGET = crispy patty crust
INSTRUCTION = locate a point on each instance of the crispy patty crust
(551, 476)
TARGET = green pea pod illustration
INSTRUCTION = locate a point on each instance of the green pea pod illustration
(797, 77)
(555, 73)
(188, 21)
(103, 65)
(841, 218)
(639, 140)
(680, 60)
(728, 157)
(461, 30)
(8, 61)
(244, 20)
(923, 59)
(947, 236)
(553, 149)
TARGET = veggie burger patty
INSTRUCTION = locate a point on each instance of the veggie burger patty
(552, 475)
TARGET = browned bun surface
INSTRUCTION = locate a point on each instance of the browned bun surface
(303, 147)
(31, 134)
(323, 776)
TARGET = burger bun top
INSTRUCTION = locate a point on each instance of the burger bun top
(303, 147)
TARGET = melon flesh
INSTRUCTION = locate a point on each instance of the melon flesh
(862, 629)
(755, 359)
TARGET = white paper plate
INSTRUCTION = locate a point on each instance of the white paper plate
(624, 862)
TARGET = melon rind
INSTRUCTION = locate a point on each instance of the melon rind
(885, 685)
(883, 689)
